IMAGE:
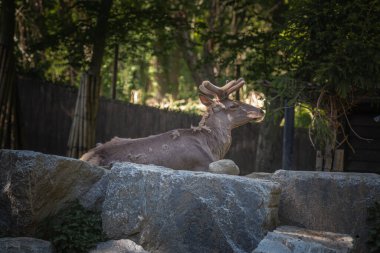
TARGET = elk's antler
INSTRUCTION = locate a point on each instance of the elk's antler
(208, 88)
(221, 92)
(229, 88)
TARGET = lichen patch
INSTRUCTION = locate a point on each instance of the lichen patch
(175, 134)
(165, 147)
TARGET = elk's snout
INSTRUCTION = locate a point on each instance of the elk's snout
(257, 114)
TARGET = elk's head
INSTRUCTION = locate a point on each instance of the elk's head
(236, 113)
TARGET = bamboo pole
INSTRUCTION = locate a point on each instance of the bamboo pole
(3, 63)
(74, 126)
(84, 116)
(8, 113)
(15, 135)
(9, 125)
(5, 116)
(4, 86)
(4, 104)
(82, 134)
(95, 107)
(90, 102)
(78, 126)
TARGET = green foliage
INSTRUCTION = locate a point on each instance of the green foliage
(321, 132)
(303, 117)
(305, 48)
(333, 44)
(72, 230)
(374, 231)
(329, 57)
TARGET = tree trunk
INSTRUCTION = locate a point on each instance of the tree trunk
(100, 36)
(144, 79)
(114, 74)
(208, 63)
(199, 71)
(174, 72)
(168, 70)
(9, 129)
(82, 132)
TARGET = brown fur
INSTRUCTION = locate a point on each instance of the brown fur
(182, 149)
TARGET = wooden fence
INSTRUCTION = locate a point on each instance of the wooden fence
(365, 141)
(46, 112)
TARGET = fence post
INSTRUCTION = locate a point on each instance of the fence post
(338, 163)
(319, 161)
(288, 136)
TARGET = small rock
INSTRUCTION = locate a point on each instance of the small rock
(288, 239)
(25, 245)
(118, 246)
(224, 166)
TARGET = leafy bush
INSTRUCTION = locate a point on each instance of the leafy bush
(374, 231)
(72, 230)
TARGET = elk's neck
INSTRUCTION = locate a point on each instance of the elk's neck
(217, 135)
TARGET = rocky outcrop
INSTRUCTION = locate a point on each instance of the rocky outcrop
(118, 246)
(93, 199)
(224, 166)
(25, 245)
(297, 240)
(180, 211)
(328, 201)
(35, 185)
(261, 175)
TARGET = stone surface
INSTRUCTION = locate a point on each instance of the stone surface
(25, 245)
(297, 240)
(181, 211)
(35, 185)
(94, 198)
(261, 175)
(328, 201)
(118, 246)
(224, 166)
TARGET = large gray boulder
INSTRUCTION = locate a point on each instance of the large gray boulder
(35, 185)
(25, 245)
(180, 211)
(328, 201)
(93, 199)
(288, 239)
(118, 246)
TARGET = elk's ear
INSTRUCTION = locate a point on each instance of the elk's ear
(205, 100)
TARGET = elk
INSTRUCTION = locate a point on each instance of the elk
(185, 149)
